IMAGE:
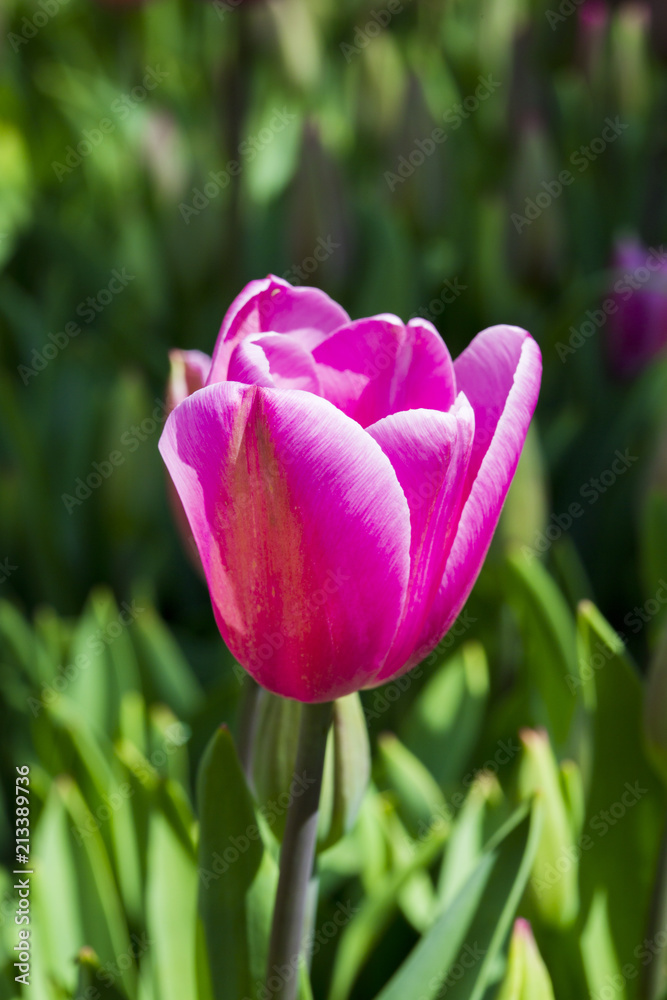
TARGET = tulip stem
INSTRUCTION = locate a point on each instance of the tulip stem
(297, 854)
(247, 729)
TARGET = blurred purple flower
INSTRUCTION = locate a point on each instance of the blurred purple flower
(637, 330)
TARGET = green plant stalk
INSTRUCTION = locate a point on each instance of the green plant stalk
(247, 729)
(297, 855)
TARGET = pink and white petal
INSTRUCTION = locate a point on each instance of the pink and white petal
(430, 452)
(377, 366)
(501, 370)
(430, 378)
(272, 305)
(275, 360)
(188, 372)
(303, 531)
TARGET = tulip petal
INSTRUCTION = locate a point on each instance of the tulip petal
(303, 532)
(189, 371)
(272, 305)
(373, 367)
(500, 375)
(274, 360)
(430, 452)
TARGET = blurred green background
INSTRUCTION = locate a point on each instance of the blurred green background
(125, 230)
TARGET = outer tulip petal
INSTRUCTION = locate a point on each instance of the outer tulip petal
(373, 367)
(272, 305)
(303, 532)
(189, 371)
(274, 360)
(500, 374)
(430, 452)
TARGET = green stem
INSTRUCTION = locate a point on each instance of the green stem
(297, 855)
(247, 727)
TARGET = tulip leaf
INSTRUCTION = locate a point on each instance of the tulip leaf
(515, 845)
(364, 931)
(171, 908)
(419, 797)
(444, 722)
(626, 801)
(466, 929)
(165, 671)
(237, 877)
(465, 842)
(549, 634)
(103, 920)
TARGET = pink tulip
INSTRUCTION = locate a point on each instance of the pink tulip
(342, 480)
(188, 372)
(637, 329)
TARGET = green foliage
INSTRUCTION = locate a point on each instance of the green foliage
(118, 244)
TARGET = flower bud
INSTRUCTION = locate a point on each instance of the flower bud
(554, 879)
(630, 63)
(526, 977)
(346, 764)
(592, 27)
(637, 326)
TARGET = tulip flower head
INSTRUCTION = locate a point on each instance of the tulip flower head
(342, 480)
(637, 329)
